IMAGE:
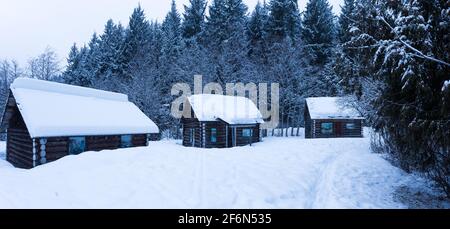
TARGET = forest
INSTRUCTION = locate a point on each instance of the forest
(390, 59)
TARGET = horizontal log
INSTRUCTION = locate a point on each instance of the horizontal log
(27, 145)
(26, 141)
(22, 138)
(20, 154)
(57, 139)
(19, 161)
(56, 144)
(20, 164)
(54, 157)
(16, 130)
(50, 149)
(18, 148)
(102, 144)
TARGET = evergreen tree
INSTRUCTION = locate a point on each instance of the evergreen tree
(224, 36)
(194, 18)
(318, 30)
(171, 28)
(73, 64)
(345, 20)
(227, 18)
(171, 50)
(257, 34)
(136, 44)
(284, 20)
(413, 106)
(109, 48)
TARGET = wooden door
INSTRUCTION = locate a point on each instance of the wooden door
(339, 129)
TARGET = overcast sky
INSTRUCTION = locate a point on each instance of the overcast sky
(27, 27)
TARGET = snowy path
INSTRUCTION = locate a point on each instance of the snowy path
(277, 173)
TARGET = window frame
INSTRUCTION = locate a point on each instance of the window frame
(213, 136)
(128, 144)
(249, 132)
(77, 140)
(327, 131)
(353, 126)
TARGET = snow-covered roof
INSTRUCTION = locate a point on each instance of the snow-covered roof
(331, 108)
(234, 110)
(52, 109)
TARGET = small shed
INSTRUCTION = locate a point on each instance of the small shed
(45, 121)
(330, 117)
(218, 121)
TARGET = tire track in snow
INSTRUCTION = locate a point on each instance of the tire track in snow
(199, 174)
(322, 181)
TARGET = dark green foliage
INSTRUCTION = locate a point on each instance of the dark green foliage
(318, 30)
(194, 18)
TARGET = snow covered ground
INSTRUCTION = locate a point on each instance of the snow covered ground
(277, 173)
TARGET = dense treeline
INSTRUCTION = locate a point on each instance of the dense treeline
(222, 42)
(390, 58)
(394, 59)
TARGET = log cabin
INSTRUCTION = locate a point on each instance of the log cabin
(218, 121)
(330, 117)
(45, 121)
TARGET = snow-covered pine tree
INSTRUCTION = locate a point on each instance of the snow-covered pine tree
(194, 18)
(318, 30)
(136, 44)
(170, 72)
(81, 72)
(73, 62)
(224, 36)
(110, 45)
(257, 34)
(354, 56)
(227, 18)
(345, 20)
(284, 67)
(284, 20)
(413, 111)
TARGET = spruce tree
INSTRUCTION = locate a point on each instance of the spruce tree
(413, 106)
(136, 43)
(257, 34)
(318, 30)
(284, 20)
(227, 18)
(345, 20)
(73, 61)
(194, 18)
(110, 46)
(224, 36)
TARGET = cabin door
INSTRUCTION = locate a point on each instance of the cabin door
(339, 129)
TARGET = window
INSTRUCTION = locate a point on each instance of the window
(327, 128)
(77, 145)
(213, 135)
(350, 126)
(247, 132)
(126, 141)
